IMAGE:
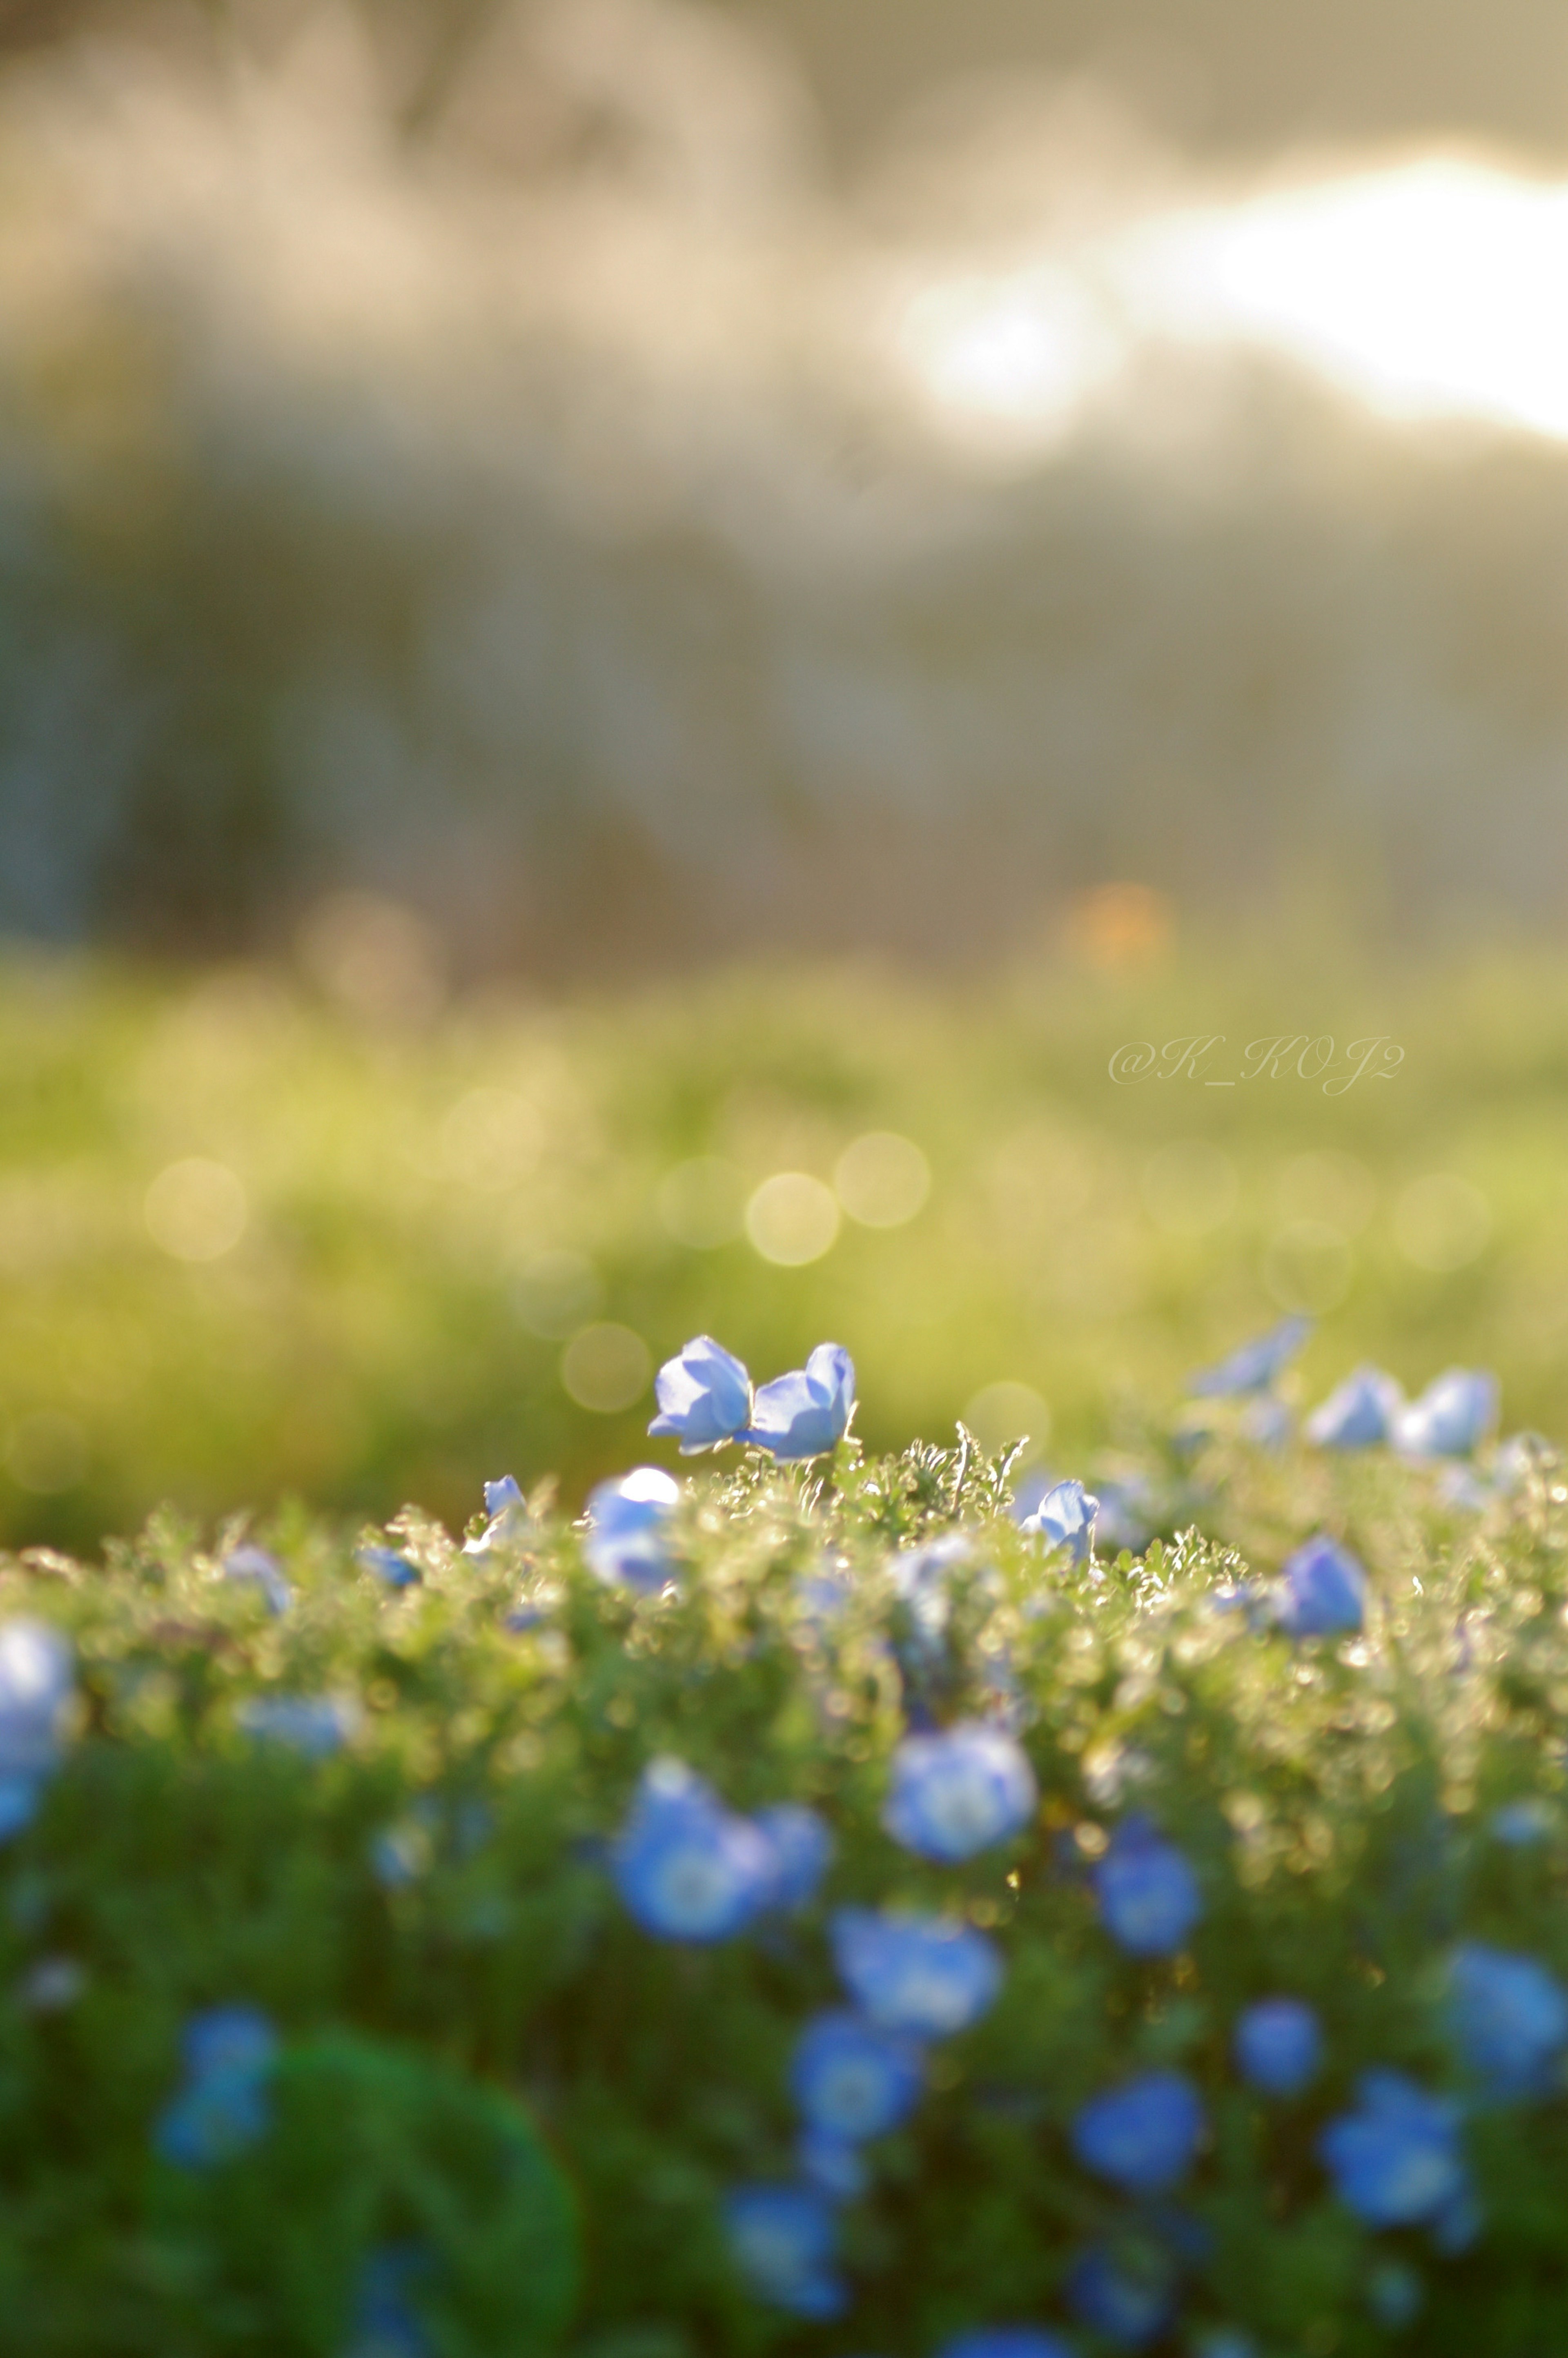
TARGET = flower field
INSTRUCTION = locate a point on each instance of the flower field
(817, 1901)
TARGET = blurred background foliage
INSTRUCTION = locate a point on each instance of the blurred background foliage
(594, 597)
(266, 1231)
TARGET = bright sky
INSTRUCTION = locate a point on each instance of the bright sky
(1433, 288)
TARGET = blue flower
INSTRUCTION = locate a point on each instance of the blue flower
(1066, 1518)
(312, 1725)
(832, 2164)
(1323, 1591)
(806, 1414)
(927, 1975)
(704, 1396)
(236, 2039)
(1452, 1416)
(1142, 2136)
(35, 1686)
(1358, 1414)
(802, 1850)
(254, 1563)
(18, 1804)
(958, 1793)
(1508, 2017)
(851, 2080)
(1519, 1824)
(1278, 2046)
(384, 2325)
(389, 1567)
(1006, 2341)
(229, 2054)
(782, 2240)
(1254, 1366)
(1148, 1896)
(628, 1539)
(508, 1511)
(1128, 2294)
(686, 1867)
(1395, 2159)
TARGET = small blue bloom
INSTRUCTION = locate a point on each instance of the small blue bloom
(1127, 2294)
(959, 1793)
(1452, 1417)
(927, 1975)
(1148, 1897)
(807, 1412)
(213, 2119)
(254, 1563)
(1006, 2341)
(686, 1867)
(1395, 2160)
(35, 1686)
(782, 2240)
(389, 1567)
(384, 2325)
(508, 1512)
(1278, 2046)
(627, 1542)
(1322, 1592)
(803, 1850)
(1520, 1823)
(1142, 2136)
(1359, 1413)
(504, 1497)
(920, 1583)
(314, 1725)
(1066, 1518)
(704, 1396)
(1508, 2017)
(831, 2164)
(236, 2039)
(851, 2080)
(18, 1804)
(1252, 1368)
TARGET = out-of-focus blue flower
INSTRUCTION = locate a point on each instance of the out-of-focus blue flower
(802, 1850)
(958, 1793)
(1128, 2295)
(312, 1725)
(1322, 1590)
(1359, 1413)
(806, 1412)
(389, 1567)
(704, 1396)
(1006, 2341)
(1395, 2294)
(1066, 1518)
(254, 1563)
(920, 1582)
(508, 1511)
(627, 1542)
(1395, 2160)
(831, 2164)
(1452, 1417)
(1519, 1824)
(1278, 2046)
(236, 2039)
(385, 2326)
(1508, 2018)
(1148, 1897)
(1142, 2136)
(925, 1976)
(851, 2080)
(18, 1804)
(229, 2054)
(36, 1685)
(686, 1867)
(1252, 1368)
(782, 2240)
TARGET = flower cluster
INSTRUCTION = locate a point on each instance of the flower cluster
(36, 1687)
(688, 1869)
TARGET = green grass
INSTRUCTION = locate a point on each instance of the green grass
(372, 1335)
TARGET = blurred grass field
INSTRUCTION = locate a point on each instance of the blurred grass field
(257, 1243)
